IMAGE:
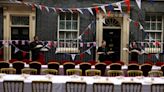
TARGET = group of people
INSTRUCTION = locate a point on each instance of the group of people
(104, 52)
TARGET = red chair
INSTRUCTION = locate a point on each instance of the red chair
(159, 63)
(120, 62)
(1, 59)
(148, 62)
(27, 61)
(92, 62)
(133, 62)
(64, 61)
(107, 62)
(77, 62)
(13, 60)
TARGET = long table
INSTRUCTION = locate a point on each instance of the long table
(59, 81)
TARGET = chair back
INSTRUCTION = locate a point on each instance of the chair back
(13, 86)
(50, 71)
(36, 65)
(133, 67)
(131, 87)
(4, 64)
(115, 66)
(101, 67)
(114, 73)
(162, 69)
(84, 66)
(29, 71)
(145, 68)
(68, 65)
(157, 87)
(53, 65)
(103, 87)
(94, 72)
(155, 74)
(134, 73)
(76, 87)
(18, 65)
(8, 70)
(74, 72)
(41, 86)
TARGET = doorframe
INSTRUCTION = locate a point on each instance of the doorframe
(124, 22)
(18, 10)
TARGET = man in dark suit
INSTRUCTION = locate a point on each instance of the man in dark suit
(35, 47)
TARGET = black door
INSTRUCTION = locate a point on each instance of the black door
(112, 38)
(20, 45)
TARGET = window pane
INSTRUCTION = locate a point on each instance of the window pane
(68, 35)
(62, 16)
(147, 18)
(74, 35)
(158, 36)
(152, 36)
(20, 20)
(68, 16)
(148, 26)
(153, 27)
(74, 25)
(159, 18)
(153, 18)
(159, 26)
(61, 35)
(75, 16)
(68, 25)
(62, 24)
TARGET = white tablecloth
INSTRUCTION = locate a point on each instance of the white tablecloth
(59, 81)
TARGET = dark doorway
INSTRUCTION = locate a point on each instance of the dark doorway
(20, 46)
(112, 38)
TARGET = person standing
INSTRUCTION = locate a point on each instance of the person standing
(103, 52)
(135, 51)
(35, 47)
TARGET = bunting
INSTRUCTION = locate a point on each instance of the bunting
(138, 3)
(73, 56)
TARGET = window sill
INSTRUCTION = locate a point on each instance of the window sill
(67, 50)
(153, 50)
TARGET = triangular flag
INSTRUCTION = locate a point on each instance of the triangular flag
(16, 50)
(81, 44)
(79, 10)
(61, 9)
(108, 13)
(73, 56)
(90, 10)
(127, 2)
(94, 43)
(129, 19)
(47, 9)
(53, 9)
(103, 8)
(88, 51)
(157, 56)
(80, 38)
(70, 10)
(88, 44)
(97, 9)
(89, 26)
(138, 3)
(119, 6)
(111, 8)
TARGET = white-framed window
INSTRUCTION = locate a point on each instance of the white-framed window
(154, 30)
(68, 31)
